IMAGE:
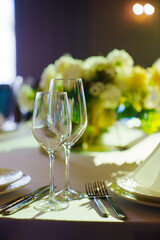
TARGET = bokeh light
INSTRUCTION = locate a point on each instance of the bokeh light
(138, 9)
(149, 9)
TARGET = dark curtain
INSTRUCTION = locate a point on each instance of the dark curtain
(47, 29)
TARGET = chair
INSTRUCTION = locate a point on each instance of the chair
(5, 100)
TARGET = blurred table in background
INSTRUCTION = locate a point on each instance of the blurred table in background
(19, 150)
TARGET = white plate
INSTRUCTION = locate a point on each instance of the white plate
(129, 196)
(129, 184)
(20, 183)
(8, 176)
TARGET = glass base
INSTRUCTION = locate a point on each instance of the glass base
(69, 195)
(47, 206)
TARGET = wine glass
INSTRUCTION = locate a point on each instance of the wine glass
(51, 126)
(77, 104)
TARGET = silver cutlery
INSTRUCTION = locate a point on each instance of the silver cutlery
(102, 192)
(26, 202)
(93, 195)
(21, 199)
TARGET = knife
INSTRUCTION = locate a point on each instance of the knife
(26, 202)
(20, 199)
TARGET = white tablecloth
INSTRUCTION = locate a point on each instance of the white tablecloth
(19, 150)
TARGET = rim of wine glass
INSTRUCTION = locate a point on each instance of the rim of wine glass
(66, 79)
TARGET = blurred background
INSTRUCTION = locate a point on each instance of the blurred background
(46, 29)
(36, 33)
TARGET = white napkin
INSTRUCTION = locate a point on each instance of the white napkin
(148, 173)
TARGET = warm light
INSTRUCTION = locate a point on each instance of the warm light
(149, 9)
(137, 9)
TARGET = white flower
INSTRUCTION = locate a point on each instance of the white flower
(156, 64)
(48, 73)
(110, 96)
(95, 64)
(152, 101)
(26, 97)
(120, 58)
(96, 89)
(69, 67)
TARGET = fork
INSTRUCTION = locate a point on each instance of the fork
(93, 195)
(101, 190)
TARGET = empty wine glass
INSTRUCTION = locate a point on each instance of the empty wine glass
(51, 126)
(77, 104)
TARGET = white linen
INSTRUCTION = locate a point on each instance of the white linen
(21, 151)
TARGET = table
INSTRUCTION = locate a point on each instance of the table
(19, 150)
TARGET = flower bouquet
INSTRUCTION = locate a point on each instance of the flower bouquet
(114, 89)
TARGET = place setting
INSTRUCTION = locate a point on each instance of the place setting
(12, 180)
(79, 119)
(142, 185)
(59, 120)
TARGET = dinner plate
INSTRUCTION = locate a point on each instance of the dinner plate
(20, 183)
(129, 184)
(129, 196)
(8, 176)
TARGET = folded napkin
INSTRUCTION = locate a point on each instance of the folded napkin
(148, 173)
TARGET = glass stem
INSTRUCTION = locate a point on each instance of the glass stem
(52, 190)
(67, 156)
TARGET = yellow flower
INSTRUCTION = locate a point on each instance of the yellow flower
(136, 88)
(110, 96)
(152, 123)
(155, 76)
(96, 89)
(100, 117)
(138, 79)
